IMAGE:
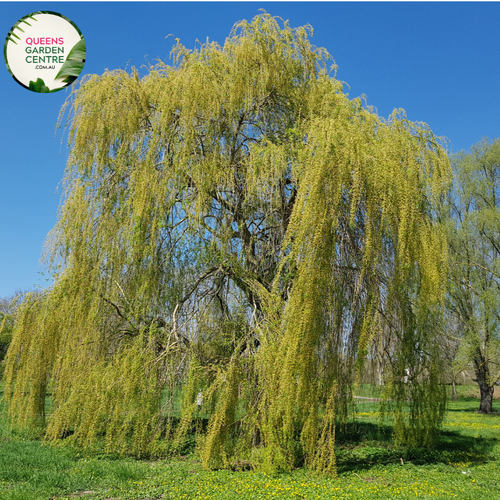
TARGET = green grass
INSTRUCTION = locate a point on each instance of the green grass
(465, 464)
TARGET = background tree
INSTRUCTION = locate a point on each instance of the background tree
(6, 327)
(235, 224)
(474, 236)
(8, 307)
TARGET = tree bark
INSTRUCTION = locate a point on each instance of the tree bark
(486, 405)
(454, 387)
(483, 381)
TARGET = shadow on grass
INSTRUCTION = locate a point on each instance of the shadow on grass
(363, 445)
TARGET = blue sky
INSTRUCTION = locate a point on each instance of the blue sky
(438, 61)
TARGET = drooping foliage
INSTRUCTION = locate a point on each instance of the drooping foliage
(234, 225)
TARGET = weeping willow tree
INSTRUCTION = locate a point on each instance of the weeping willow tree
(235, 225)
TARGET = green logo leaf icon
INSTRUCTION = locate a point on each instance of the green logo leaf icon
(39, 86)
(73, 65)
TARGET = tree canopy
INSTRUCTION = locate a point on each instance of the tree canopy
(234, 224)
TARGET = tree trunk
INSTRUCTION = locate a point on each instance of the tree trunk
(483, 381)
(454, 387)
(486, 405)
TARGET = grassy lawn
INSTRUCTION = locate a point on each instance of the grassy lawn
(464, 465)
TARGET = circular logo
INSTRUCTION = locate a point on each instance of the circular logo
(44, 51)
